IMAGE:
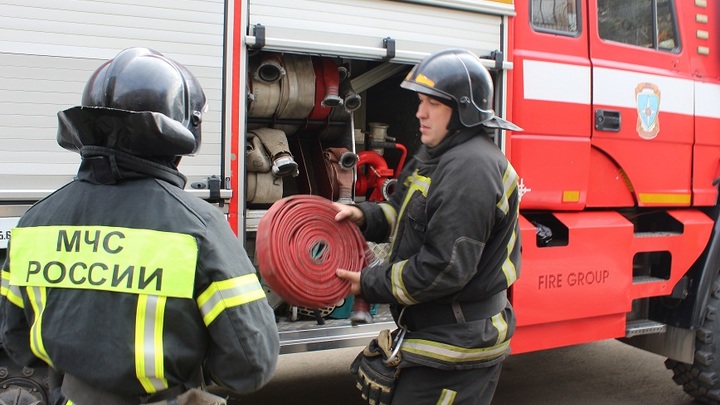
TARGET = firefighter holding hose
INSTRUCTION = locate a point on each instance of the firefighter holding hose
(453, 225)
(130, 289)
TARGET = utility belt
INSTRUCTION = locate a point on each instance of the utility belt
(85, 394)
(425, 315)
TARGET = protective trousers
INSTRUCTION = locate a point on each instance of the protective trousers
(431, 386)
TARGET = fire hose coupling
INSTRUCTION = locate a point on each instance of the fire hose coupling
(285, 165)
(387, 187)
(352, 100)
(331, 76)
(348, 160)
(268, 150)
(270, 69)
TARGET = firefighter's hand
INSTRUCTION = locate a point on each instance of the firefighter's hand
(350, 212)
(354, 279)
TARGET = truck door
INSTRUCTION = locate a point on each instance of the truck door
(551, 102)
(607, 102)
(643, 104)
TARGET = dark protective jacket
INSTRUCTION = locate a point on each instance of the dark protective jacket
(130, 284)
(455, 249)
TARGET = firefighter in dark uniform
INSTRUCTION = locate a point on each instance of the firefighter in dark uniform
(127, 286)
(453, 228)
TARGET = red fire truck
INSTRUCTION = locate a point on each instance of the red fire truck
(619, 157)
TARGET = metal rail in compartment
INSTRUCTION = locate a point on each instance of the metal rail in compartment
(307, 335)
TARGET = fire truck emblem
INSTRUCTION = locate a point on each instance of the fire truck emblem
(647, 99)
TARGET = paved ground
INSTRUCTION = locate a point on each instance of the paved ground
(603, 373)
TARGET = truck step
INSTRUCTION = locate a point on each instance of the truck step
(647, 279)
(644, 327)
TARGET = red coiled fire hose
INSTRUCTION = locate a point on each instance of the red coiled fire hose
(300, 245)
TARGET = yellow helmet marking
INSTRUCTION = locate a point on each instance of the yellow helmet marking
(421, 78)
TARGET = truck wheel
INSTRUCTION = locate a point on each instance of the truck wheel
(17, 395)
(702, 378)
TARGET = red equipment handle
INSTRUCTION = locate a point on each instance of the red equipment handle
(393, 145)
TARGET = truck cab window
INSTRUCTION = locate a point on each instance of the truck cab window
(557, 16)
(645, 23)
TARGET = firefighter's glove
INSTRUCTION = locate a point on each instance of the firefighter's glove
(376, 378)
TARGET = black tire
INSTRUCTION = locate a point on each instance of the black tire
(19, 396)
(702, 378)
(22, 385)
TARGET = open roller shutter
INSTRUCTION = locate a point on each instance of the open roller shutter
(402, 31)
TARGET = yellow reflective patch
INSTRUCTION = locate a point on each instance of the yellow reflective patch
(389, 213)
(233, 292)
(502, 327)
(399, 290)
(447, 397)
(660, 198)
(38, 301)
(149, 349)
(13, 294)
(421, 78)
(508, 267)
(138, 261)
(510, 184)
(415, 182)
(450, 353)
(571, 196)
